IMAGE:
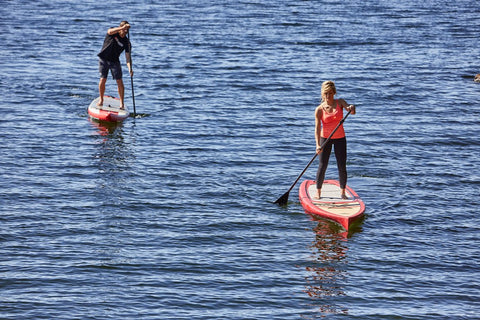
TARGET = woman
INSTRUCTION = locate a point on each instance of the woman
(327, 116)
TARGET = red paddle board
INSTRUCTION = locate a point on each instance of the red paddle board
(331, 205)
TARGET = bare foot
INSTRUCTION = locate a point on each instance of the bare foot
(122, 107)
(344, 196)
(319, 194)
(100, 104)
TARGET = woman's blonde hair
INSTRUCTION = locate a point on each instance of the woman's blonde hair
(328, 86)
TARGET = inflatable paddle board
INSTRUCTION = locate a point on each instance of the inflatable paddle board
(110, 111)
(331, 205)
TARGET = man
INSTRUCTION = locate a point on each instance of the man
(113, 45)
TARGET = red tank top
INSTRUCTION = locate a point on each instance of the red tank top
(330, 122)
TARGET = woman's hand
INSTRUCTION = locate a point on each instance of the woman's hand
(351, 108)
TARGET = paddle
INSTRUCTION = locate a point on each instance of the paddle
(284, 198)
(131, 76)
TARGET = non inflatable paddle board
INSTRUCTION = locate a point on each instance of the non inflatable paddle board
(331, 205)
(110, 111)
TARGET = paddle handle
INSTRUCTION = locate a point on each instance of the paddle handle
(321, 148)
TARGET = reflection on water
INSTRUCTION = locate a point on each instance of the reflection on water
(327, 271)
(105, 127)
(113, 159)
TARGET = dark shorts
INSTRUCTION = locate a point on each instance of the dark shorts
(104, 66)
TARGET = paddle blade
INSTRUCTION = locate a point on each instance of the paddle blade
(283, 199)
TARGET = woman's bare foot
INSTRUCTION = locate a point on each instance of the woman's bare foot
(343, 195)
(319, 194)
(100, 103)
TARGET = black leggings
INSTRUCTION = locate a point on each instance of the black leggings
(340, 146)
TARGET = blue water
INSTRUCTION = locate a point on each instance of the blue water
(170, 215)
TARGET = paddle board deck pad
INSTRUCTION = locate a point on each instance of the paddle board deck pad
(331, 205)
(110, 111)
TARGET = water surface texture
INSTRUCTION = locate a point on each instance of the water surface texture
(170, 215)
